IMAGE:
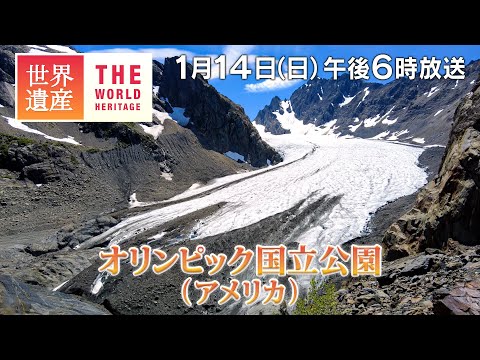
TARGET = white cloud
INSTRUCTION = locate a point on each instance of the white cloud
(157, 53)
(271, 85)
(232, 54)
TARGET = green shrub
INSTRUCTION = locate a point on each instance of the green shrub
(321, 299)
(22, 141)
(73, 160)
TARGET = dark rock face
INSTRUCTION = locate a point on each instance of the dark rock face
(219, 123)
(308, 106)
(17, 298)
(7, 62)
(365, 109)
(449, 206)
(40, 163)
(157, 71)
(269, 120)
(7, 94)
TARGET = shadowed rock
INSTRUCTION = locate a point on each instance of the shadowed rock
(17, 298)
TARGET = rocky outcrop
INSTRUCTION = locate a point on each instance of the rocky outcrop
(218, 122)
(449, 206)
(431, 282)
(401, 110)
(71, 237)
(17, 298)
(266, 117)
(7, 61)
(464, 299)
(7, 94)
(40, 163)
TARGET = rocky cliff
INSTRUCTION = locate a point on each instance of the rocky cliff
(218, 122)
(267, 117)
(449, 206)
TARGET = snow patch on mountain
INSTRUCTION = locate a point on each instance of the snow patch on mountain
(37, 47)
(346, 100)
(38, 51)
(396, 135)
(167, 176)
(21, 126)
(154, 130)
(387, 121)
(161, 115)
(289, 121)
(367, 92)
(370, 122)
(353, 128)
(381, 135)
(432, 91)
(328, 128)
(62, 49)
(59, 286)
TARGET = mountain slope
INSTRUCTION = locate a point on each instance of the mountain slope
(219, 124)
(416, 111)
(63, 183)
(154, 160)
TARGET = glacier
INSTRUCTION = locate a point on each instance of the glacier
(365, 175)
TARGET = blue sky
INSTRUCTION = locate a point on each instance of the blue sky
(236, 89)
